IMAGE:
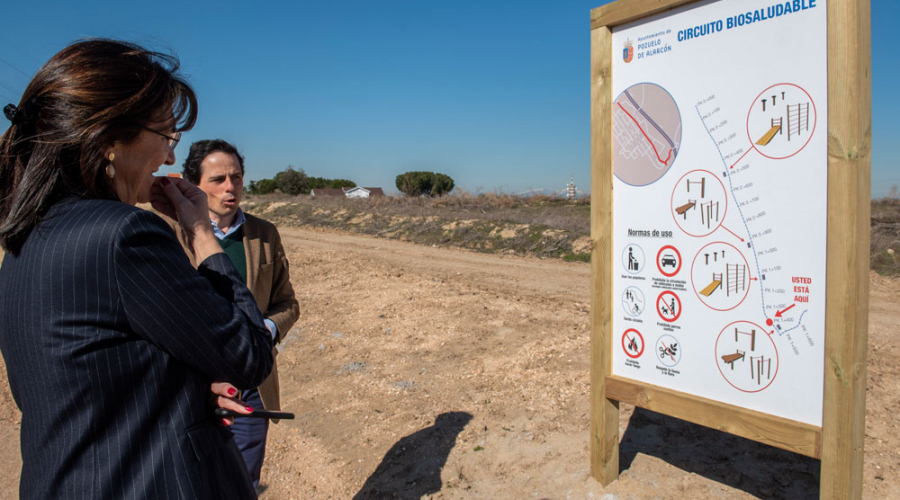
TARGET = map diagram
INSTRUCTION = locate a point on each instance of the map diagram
(780, 123)
(737, 263)
(646, 134)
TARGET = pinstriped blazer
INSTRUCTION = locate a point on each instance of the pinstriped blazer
(111, 339)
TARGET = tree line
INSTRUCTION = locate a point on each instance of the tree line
(295, 181)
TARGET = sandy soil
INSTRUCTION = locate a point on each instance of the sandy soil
(419, 372)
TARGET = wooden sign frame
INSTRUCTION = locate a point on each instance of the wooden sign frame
(839, 442)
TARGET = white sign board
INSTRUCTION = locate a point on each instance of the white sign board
(719, 210)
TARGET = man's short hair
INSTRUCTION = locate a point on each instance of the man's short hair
(199, 151)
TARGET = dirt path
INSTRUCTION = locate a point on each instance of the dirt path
(429, 372)
(419, 372)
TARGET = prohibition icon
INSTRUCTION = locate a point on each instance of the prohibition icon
(668, 350)
(633, 343)
(668, 305)
(669, 258)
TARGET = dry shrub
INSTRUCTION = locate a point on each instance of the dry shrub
(553, 212)
(885, 243)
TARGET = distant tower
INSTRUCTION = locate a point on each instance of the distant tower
(570, 189)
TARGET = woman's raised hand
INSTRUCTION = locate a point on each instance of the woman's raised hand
(186, 203)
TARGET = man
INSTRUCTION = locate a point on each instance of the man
(254, 246)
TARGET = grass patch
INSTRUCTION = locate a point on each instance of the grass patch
(541, 226)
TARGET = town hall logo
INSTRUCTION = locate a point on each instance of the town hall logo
(628, 52)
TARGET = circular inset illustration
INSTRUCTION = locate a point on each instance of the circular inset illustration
(746, 356)
(720, 276)
(668, 350)
(699, 203)
(633, 301)
(781, 121)
(668, 261)
(646, 134)
(633, 343)
(633, 259)
(668, 305)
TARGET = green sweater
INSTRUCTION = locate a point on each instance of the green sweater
(233, 245)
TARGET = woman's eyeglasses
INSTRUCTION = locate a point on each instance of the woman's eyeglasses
(173, 139)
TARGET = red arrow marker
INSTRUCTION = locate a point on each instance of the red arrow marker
(741, 158)
(732, 232)
(754, 279)
(786, 309)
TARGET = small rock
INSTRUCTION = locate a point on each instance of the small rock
(321, 347)
(354, 367)
(337, 335)
(404, 384)
(381, 316)
(387, 330)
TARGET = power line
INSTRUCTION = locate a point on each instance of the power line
(26, 75)
(20, 49)
(14, 91)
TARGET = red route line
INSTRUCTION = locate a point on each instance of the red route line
(664, 162)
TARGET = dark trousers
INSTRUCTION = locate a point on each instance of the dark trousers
(250, 436)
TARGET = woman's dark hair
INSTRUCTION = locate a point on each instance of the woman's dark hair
(200, 150)
(88, 96)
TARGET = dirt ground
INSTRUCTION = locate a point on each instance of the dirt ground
(421, 372)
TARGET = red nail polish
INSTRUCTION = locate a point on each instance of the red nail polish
(249, 408)
(232, 391)
(164, 181)
(225, 422)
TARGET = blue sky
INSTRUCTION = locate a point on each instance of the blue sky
(495, 94)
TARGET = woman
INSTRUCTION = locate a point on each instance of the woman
(111, 338)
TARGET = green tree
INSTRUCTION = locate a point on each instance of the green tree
(324, 183)
(418, 183)
(441, 185)
(292, 182)
(266, 186)
(340, 183)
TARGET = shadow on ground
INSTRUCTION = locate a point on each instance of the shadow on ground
(758, 469)
(412, 467)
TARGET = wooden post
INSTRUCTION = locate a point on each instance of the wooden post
(604, 411)
(847, 269)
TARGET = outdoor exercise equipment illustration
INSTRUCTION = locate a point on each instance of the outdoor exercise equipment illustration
(720, 276)
(699, 203)
(781, 120)
(745, 353)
